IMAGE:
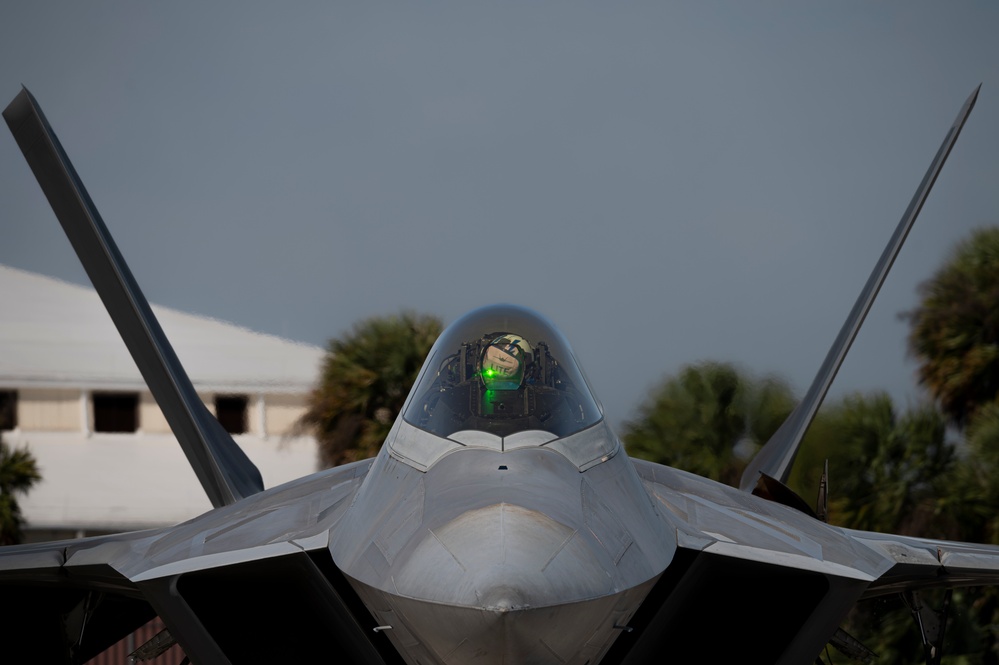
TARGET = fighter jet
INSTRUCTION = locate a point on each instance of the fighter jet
(501, 522)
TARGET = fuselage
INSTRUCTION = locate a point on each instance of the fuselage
(502, 521)
(503, 556)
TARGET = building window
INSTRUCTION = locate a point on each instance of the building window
(116, 412)
(8, 410)
(231, 412)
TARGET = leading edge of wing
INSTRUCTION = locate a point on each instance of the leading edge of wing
(255, 564)
(54, 613)
(922, 563)
(777, 455)
(223, 469)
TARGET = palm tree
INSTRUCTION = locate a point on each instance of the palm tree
(708, 419)
(977, 495)
(890, 472)
(365, 379)
(955, 329)
(976, 503)
(18, 472)
(897, 473)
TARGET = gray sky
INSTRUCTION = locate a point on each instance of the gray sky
(667, 182)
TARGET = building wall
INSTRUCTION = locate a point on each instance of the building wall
(70, 410)
(281, 412)
(151, 419)
(50, 410)
(119, 653)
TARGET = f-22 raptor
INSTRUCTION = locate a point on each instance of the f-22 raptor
(501, 522)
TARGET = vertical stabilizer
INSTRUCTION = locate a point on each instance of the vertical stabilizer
(224, 470)
(777, 456)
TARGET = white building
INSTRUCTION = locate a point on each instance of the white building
(70, 391)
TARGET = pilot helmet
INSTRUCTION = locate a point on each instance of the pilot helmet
(504, 361)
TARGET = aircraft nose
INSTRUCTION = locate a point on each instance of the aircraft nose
(505, 583)
(504, 557)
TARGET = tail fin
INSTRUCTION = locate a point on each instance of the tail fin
(224, 470)
(777, 456)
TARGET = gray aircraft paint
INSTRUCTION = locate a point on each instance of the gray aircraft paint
(484, 544)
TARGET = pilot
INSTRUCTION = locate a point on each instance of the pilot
(504, 362)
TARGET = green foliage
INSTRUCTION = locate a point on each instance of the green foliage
(708, 420)
(18, 472)
(977, 494)
(887, 471)
(954, 332)
(900, 473)
(365, 379)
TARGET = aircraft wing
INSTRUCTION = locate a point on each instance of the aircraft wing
(262, 564)
(64, 613)
(921, 563)
(747, 547)
(718, 519)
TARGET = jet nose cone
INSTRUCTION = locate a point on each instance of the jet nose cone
(507, 584)
(504, 557)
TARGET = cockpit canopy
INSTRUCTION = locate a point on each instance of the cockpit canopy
(501, 369)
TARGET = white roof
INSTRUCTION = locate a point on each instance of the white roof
(54, 334)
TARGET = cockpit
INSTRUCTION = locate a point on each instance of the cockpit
(501, 370)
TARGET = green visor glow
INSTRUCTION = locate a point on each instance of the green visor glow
(501, 369)
(503, 362)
